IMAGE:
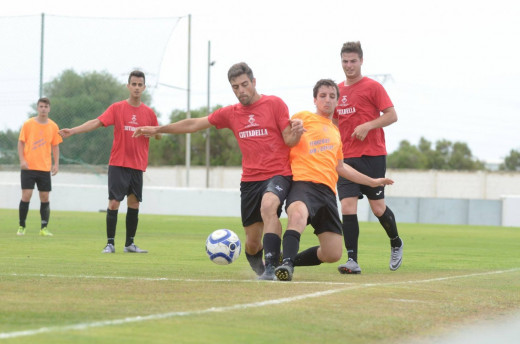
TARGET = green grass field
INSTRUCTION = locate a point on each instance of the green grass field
(63, 290)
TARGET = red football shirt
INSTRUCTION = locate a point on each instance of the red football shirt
(258, 129)
(357, 104)
(128, 151)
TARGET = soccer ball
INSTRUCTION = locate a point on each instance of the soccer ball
(223, 246)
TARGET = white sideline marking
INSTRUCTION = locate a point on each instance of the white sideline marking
(83, 326)
(171, 279)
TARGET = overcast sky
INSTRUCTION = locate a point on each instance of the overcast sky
(453, 64)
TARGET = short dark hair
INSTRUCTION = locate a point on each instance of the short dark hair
(325, 82)
(352, 47)
(44, 100)
(238, 69)
(137, 74)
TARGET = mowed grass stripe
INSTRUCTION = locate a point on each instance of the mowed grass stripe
(468, 274)
(84, 326)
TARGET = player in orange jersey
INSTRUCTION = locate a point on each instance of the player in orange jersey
(38, 144)
(316, 162)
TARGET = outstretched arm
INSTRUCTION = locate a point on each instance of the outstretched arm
(348, 172)
(84, 128)
(189, 125)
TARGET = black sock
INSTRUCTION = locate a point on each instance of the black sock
(23, 209)
(309, 257)
(132, 219)
(45, 213)
(290, 244)
(351, 235)
(111, 225)
(255, 260)
(272, 244)
(387, 220)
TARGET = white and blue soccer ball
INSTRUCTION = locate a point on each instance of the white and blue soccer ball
(223, 246)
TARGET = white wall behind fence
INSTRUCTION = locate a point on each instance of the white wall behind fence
(165, 192)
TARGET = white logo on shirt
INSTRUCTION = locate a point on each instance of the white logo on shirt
(252, 122)
(134, 119)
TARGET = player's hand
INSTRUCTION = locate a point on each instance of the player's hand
(24, 165)
(66, 132)
(383, 182)
(54, 170)
(361, 131)
(297, 126)
(145, 131)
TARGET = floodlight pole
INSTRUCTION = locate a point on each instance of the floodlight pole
(188, 113)
(210, 63)
(41, 54)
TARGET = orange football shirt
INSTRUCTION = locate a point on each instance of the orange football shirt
(315, 157)
(39, 139)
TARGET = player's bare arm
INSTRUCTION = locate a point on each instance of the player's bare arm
(23, 162)
(347, 172)
(56, 157)
(84, 128)
(293, 132)
(189, 125)
(388, 117)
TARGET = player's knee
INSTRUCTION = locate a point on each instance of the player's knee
(330, 256)
(336, 256)
(297, 213)
(378, 212)
(253, 244)
(113, 204)
(378, 208)
(269, 207)
(333, 257)
(296, 220)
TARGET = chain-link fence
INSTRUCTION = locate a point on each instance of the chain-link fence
(82, 65)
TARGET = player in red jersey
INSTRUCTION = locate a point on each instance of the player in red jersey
(128, 158)
(360, 122)
(265, 134)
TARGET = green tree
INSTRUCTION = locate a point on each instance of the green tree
(460, 158)
(171, 149)
(446, 156)
(77, 98)
(9, 147)
(434, 157)
(407, 156)
(511, 162)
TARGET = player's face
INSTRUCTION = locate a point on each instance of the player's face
(244, 89)
(136, 86)
(351, 64)
(43, 109)
(326, 101)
